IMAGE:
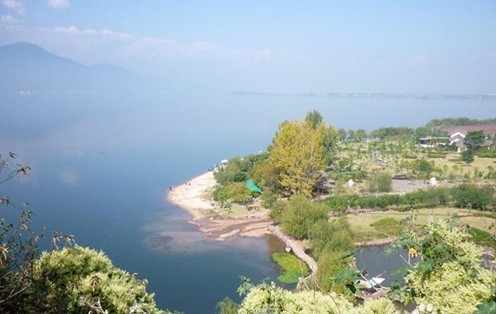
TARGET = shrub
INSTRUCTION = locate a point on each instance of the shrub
(449, 275)
(269, 298)
(80, 280)
(300, 215)
(470, 196)
(232, 193)
(268, 198)
(380, 182)
(330, 236)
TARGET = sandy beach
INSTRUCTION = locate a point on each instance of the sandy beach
(194, 197)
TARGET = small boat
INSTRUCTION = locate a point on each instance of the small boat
(371, 283)
(372, 289)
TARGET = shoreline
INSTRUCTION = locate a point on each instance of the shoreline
(192, 196)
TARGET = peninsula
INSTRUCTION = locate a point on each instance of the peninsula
(194, 196)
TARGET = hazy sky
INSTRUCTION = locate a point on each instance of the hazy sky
(273, 46)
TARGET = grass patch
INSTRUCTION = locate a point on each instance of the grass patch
(294, 267)
(389, 226)
(482, 237)
(363, 228)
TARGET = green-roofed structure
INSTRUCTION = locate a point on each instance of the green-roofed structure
(252, 186)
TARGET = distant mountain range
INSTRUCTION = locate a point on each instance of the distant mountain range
(29, 68)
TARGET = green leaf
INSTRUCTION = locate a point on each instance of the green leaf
(486, 307)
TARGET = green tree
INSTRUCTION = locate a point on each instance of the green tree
(235, 171)
(361, 134)
(342, 134)
(468, 156)
(314, 118)
(425, 168)
(330, 136)
(475, 139)
(297, 153)
(329, 143)
(471, 196)
(266, 175)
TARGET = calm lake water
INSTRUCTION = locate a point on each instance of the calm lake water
(102, 165)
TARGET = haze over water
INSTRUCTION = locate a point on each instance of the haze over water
(102, 165)
(211, 81)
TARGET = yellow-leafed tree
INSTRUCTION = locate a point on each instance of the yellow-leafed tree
(297, 153)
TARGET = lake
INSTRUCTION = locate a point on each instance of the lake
(102, 165)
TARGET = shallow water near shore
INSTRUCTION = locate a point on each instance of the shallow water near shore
(101, 167)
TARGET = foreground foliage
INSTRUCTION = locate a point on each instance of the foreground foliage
(448, 278)
(80, 279)
(268, 298)
(449, 275)
(65, 280)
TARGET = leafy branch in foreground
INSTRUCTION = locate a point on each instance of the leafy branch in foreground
(449, 274)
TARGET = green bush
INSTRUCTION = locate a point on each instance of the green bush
(232, 193)
(380, 182)
(81, 280)
(300, 215)
(342, 202)
(268, 198)
(470, 196)
(450, 275)
(330, 236)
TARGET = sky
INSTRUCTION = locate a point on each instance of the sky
(273, 46)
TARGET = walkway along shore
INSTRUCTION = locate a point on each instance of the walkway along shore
(193, 196)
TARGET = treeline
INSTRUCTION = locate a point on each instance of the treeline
(437, 123)
(463, 196)
(431, 128)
